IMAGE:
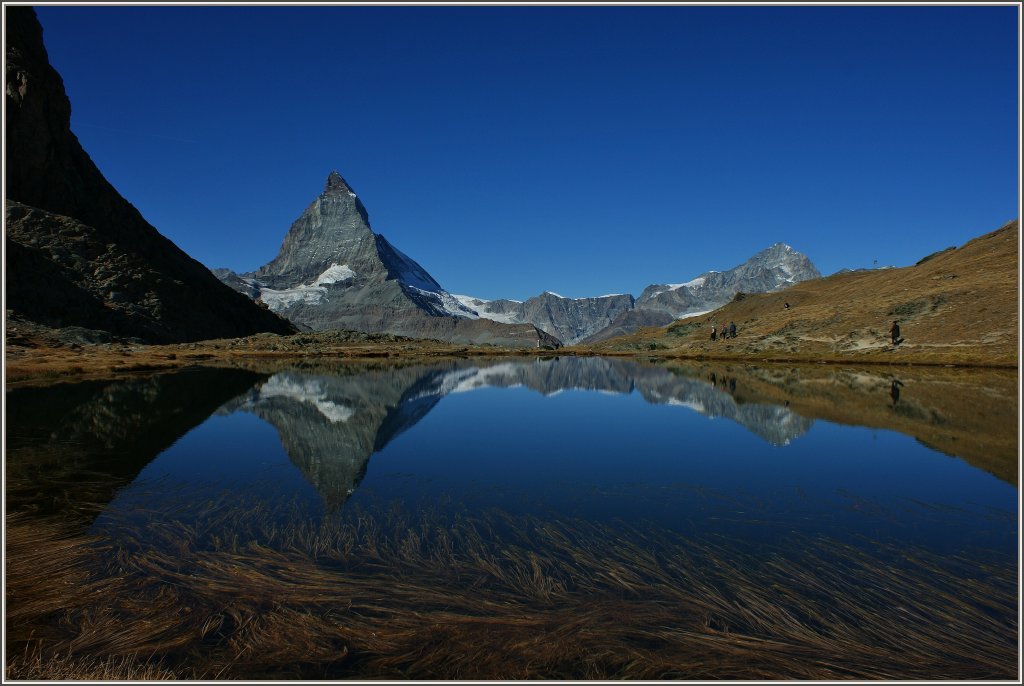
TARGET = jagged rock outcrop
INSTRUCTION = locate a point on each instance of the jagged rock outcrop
(334, 272)
(79, 254)
(568, 319)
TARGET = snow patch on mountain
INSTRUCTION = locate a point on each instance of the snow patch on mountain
(306, 391)
(446, 302)
(333, 274)
(479, 306)
(692, 283)
(312, 293)
(408, 271)
(286, 297)
(689, 404)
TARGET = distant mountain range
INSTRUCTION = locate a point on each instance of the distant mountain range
(334, 272)
(588, 320)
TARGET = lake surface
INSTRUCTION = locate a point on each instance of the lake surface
(521, 518)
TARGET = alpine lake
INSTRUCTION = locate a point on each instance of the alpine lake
(519, 518)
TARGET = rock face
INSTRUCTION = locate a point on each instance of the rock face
(334, 272)
(588, 320)
(79, 254)
(772, 269)
(568, 319)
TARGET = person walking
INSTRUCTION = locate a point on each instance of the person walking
(895, 331)
(732, 329)
(714, 336)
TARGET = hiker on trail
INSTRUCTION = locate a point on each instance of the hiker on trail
(714, 335)
(732, 329)
(725, 332)
(895, 331)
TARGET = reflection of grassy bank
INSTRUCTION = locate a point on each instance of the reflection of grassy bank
(969, 413)
(383, 595)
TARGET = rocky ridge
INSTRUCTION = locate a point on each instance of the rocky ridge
(589, 320)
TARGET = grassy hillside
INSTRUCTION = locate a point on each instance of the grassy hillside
(954, 307)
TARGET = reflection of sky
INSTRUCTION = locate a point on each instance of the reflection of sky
(602, 455)
(225, 455)
(605, 456)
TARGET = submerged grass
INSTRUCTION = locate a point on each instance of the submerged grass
(387, 594)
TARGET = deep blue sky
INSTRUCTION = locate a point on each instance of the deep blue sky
(583, 150)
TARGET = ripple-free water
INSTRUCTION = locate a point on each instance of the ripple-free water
(606, 442)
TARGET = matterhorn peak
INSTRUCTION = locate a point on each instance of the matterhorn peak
(337, 184)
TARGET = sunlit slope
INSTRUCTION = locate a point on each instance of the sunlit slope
(958, 306)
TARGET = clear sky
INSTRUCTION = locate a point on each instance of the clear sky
(583, 150)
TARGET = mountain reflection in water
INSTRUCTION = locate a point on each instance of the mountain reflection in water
(330, 425)
(330, 422)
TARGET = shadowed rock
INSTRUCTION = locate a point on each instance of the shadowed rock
(79, 254)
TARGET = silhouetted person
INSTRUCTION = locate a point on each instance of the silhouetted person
(895, 331)
(732, 329)
(714, 335)
(895, 390)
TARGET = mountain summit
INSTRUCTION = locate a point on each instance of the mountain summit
(334, 272)
(336, 184)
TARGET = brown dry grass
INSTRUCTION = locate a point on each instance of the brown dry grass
(383, 595)
(35, 355)
(959, 307)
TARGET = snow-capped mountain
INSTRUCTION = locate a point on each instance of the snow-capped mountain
(567, 319)
(334, 272)
(574, 320)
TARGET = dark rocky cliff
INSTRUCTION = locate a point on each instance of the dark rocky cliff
(79, 254)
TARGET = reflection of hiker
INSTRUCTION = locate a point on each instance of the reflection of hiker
(714, 335)
(895, 390)
(895, 331)
(732, 385)
(732, 329)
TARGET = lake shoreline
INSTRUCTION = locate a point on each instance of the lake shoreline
(25, 366)
(46, 358)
